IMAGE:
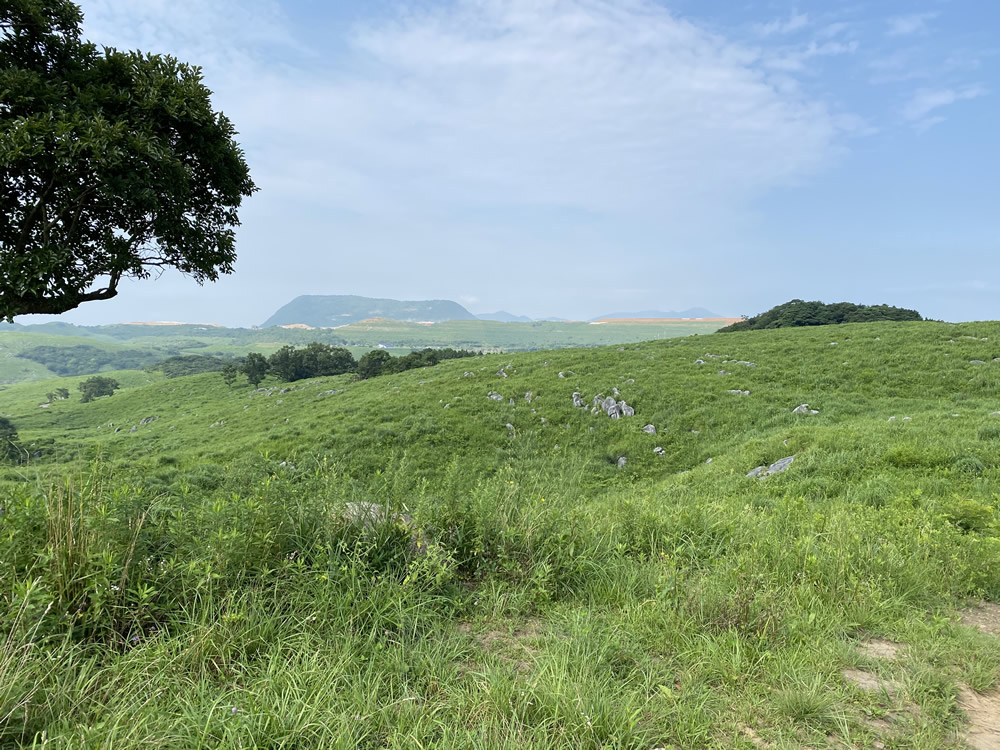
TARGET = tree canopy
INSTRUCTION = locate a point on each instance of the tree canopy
(112, 164)
(800, 313)
(96, 387)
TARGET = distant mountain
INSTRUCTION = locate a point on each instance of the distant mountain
(505, 317)
(694, 312)
(329, 311)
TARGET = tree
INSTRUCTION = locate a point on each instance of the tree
(97, 386)
(229, 373)
(8, 440)
(112, 164)
(62, 394)
(255, 367)
(374, 363)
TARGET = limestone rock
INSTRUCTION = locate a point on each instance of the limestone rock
(649, 429)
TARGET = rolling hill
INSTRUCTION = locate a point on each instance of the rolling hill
(793, 542)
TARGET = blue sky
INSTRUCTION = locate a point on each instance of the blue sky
(573, 157)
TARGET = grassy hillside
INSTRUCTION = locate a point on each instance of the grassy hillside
(214, 578)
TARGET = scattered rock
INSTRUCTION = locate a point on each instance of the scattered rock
(215, 424)
(501, 373)
(287, 465)
(44, 406)
(738, 392)
(699, 361)
(649, 429)
(723, 372)
(578, 401)
(622, 461)
(659, 451)
(907, 419)
(510, 427)
(494, 395)
(708, 460)
(528, 396)
(148, 420)
(976, 362)
(804, 409)
(328, 393)
(136, 429)
(370, 514)
(468, 375)
(630, 380)
(777, 467)
(892, 419)
(627, 411)
(283, 391)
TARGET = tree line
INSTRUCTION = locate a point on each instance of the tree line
(800, 313)
(319, 360)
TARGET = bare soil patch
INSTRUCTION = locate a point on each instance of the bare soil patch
(877, 648)
(984, 718)
(985, 617)
(871, 682)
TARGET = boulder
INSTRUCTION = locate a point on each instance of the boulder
(649, 429)
(369, 515)
(804, 409)
(494, 395)
(777, 467)
(659, 451)
(622, 461)
(738, 392)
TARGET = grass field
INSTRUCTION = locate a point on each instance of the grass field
(397, 337)
(455, 558)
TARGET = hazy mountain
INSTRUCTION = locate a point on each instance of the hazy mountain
(504, 317)
(328, 311)
(694, 312)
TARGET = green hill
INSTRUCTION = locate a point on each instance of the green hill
(216, 577)
(328, 311)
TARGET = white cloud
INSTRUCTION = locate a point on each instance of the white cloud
(794, 60)
(926, 101)
(589, 104)
(913, 23)
(795, 22)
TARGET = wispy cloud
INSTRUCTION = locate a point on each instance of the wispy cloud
(926, 101)
(913, 23)
(795, 22)
(588, 104)
(794, 59)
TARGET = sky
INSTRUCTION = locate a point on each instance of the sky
(576, 157)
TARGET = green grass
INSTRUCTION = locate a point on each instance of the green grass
(191, 585)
